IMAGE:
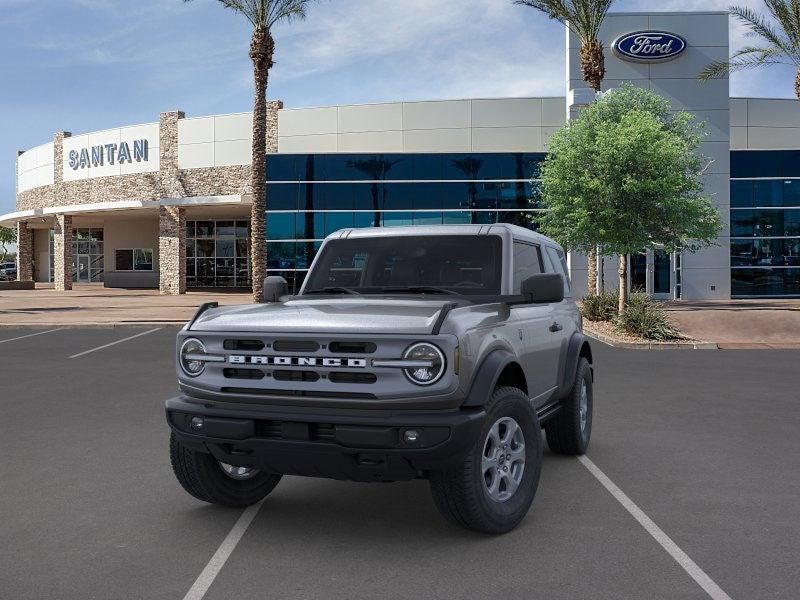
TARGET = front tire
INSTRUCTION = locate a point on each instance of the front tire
(569, 431)
(209, 480)
(493, 486)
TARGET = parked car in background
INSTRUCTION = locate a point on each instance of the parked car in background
(8, 271)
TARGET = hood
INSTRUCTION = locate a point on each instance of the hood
(326, 315)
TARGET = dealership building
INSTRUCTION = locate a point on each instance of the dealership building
(167, 204)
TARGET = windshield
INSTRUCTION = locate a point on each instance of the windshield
(462, 264)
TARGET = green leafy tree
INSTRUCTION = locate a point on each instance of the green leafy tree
(7, 237)
(263, 15)
(627, 174)
(584, 19)
(778, 40)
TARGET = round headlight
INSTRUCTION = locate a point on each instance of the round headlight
(425, 353)
(189, 349)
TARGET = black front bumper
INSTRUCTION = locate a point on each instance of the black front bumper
(353, 445)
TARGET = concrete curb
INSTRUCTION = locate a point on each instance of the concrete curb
(650, 345)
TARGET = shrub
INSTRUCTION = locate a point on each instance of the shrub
(602, 307)
(645, 318)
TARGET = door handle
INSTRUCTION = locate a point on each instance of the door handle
(556, 327)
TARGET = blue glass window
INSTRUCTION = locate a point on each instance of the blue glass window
(367, 219)
(768, 193)
(427, 218)
(791, 222)
(281, 255)
(455, 195)
(367, 196)
(754, 252)
(282, 167)
(310, 226)
(765, 282)
(457, 218)
(427, 195)
(311, 196)
(791, 192)
(765, 223)
(281, 226)
(334, 221)
(742, 164)
(742, 223)
(396, 196)
(426, 166)
(397, 219)
(768, 163)
(339, 196)
(741, 194)
(282, 196)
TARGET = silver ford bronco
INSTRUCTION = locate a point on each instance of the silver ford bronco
(434, 352)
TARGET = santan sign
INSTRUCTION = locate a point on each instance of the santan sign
(649, 46)
(97, 156)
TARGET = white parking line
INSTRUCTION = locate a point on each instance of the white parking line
(22, 337)
(214, 566)
(115, 343)
(688, 565)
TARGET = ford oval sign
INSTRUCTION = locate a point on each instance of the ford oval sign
(649, 46)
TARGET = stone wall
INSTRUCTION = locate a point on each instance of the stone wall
(24, 252)
(172, 250)
(62, 251)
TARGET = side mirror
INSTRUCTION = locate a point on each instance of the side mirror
(275, 287)
(544, 288)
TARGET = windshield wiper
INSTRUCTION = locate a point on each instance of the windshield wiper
(333, 290)
(419, 289)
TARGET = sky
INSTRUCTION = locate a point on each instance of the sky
(86, 65)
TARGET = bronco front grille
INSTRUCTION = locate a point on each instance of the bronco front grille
(346, 377)
(290, 430)
(298, 393)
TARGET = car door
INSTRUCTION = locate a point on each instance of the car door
(539, 346)
(566, 315)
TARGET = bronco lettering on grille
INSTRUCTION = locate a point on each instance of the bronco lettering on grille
(298, 361)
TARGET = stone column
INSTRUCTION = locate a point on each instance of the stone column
(24, 252)
(62, 250)
(171, 250)
(171, 219)
(171, 185)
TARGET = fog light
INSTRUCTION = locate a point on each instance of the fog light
(196, 424)
(411, 436)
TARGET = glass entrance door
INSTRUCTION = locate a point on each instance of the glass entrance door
(83, 269)
(87, 255)
(662, 272)
(638, 270)
(651, 272)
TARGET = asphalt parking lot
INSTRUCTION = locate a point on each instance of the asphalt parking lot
(705, 443)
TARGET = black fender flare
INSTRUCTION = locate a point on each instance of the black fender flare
(575, 348)
(486, 376)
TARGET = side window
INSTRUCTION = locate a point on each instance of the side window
(527, 262)
(559, 261)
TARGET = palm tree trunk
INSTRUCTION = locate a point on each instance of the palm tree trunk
(261, 51)
(593, 67)
(593, 70)
(797, 84)
(623, 282)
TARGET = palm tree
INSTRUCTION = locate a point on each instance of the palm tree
(584, 19)
(263, 15)
(780, 41)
